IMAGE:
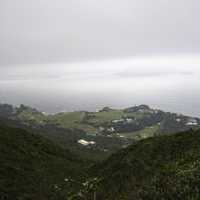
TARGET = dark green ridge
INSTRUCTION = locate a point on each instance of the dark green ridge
(32, 167)
(164, 167)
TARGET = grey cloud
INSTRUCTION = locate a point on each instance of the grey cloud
(145, 74)
(141, 67)
(75, 30)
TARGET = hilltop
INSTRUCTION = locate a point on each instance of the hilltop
(134, 122)
(164, 167)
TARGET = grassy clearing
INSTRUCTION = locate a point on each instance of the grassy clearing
(68, 119)
(72, 120)
(89, 122)
(105, 116)
(142, 134)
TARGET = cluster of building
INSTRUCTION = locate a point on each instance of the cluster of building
(190, 121)
(124, 120)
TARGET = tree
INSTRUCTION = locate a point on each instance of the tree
(88, 187)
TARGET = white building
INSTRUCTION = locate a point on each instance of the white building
(111, 129)
(178, 120)
(129, 120)
(192, 122)
(118, 120)
(85, 142)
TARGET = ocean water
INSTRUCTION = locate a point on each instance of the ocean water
(171, 83)
(171, 92)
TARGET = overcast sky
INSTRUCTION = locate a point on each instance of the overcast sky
(43, 31)
(135, 49)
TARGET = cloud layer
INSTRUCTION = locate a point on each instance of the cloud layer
(43, 31)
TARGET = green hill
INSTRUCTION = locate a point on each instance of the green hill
(32, 167)
(35, 162)
(65, 129)
(164, 167)
(136, 122)
(108, 129)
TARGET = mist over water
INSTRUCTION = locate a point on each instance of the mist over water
(84, 55)
(91, 86)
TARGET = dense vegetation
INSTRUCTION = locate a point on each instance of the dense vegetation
(165, 167)
(32, 167)
(40, 157)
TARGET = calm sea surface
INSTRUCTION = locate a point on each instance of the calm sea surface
(177, 92)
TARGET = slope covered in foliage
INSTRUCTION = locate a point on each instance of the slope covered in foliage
(165, 167)
(32, 167)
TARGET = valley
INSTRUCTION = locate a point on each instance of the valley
(49, 162)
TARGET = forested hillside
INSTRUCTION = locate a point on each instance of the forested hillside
(32, 167)
(165, 167)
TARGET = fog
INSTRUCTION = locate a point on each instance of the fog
(167, 82)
